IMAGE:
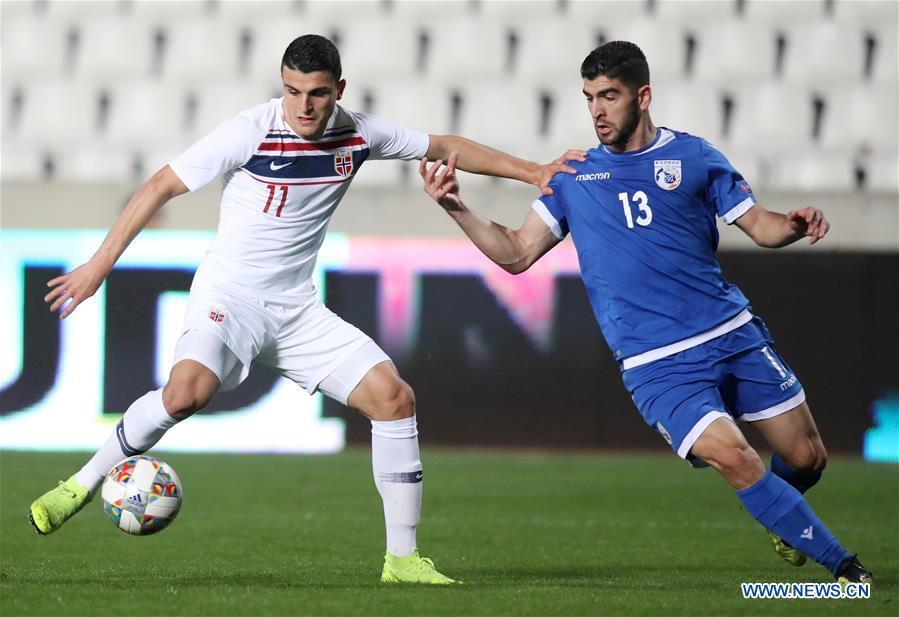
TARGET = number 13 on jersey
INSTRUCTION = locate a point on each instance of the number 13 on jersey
(641, 201)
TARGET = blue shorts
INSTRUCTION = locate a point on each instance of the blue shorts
(737, 375)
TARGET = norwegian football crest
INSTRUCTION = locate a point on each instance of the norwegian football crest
(667, 174)
(217, 315)
(343, 161)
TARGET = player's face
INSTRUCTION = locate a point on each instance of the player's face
(309, 100)
(615, 109)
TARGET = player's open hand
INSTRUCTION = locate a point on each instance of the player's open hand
(442, 185)
(547, 171)
(808, 222)
(70, 290)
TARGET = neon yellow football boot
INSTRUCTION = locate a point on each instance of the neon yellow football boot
(412, 569)
(786, 552)
(56, 506)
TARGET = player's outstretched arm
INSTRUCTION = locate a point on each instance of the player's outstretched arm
(480, 159)
(513, 250)
(774, 230)
(71, 289)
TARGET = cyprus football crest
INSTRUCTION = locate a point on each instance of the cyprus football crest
(667, 174)
(343, 161)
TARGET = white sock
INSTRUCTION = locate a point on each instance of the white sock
(397, 469)
(143, 424)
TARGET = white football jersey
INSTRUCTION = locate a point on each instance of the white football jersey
(280, 191)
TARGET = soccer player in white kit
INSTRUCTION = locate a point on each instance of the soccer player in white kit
(286, 164)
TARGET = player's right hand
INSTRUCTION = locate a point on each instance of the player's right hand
(443, 187)
(70, 290)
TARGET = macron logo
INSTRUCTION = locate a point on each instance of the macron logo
(808, 533)
(602, 175)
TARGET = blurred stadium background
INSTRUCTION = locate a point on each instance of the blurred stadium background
(801, 96)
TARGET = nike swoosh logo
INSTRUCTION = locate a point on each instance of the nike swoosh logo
(274, 167)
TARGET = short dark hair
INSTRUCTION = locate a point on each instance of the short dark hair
(310, 53)
(619, 60)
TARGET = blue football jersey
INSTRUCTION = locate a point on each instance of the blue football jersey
(644, 226)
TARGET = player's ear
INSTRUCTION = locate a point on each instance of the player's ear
(644, 96)
(340, 86)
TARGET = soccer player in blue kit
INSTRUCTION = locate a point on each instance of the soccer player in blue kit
(641, 211)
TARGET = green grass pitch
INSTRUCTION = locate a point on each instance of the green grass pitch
(529, 533)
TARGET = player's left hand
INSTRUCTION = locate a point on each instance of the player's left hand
(546, 172)
(442, 187)
(808, 222)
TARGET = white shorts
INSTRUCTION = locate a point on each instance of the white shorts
(308, 344)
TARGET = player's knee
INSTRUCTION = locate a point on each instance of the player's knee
(740, 465)
(181, 399)
(398, 403)
(820, 456)
(808, 455)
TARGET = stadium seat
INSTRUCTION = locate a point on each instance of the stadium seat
(694, 12)
(83, 9)
(469, 49)
(813, 170)
(883, 172)
(730, 53)
(150, 112)
(364, 51)
(865, 12)
(239, 11)
(519, 10)
(597, 13)
(113, 47)
(433, 12)
(551, 47)
(218, 102)
(504, 114)
(153, 13)
(91, 161)
(861, 114)
(423, 105)
(682, 107)
(33, 44)
(271, 38)
(771, 116)
(824, 50)
(784, 12)
(59, 112)
(570, 125)
(201, 49)
(351, 10)
(663, 45)
(22, 161)
(885, 65)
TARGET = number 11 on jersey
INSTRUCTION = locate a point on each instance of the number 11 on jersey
(271, 196)
(642, 202)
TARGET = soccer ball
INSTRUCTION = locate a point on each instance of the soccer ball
(141, 495)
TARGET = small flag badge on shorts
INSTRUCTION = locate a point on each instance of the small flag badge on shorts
(217, 315)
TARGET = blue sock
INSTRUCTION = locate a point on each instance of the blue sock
(800, 480)
(782, 509)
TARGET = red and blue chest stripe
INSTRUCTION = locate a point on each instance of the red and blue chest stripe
(284, 156)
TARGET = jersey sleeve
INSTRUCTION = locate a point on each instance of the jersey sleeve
(390, 141)
(726, 189)
(551, 210)
(229, 145)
